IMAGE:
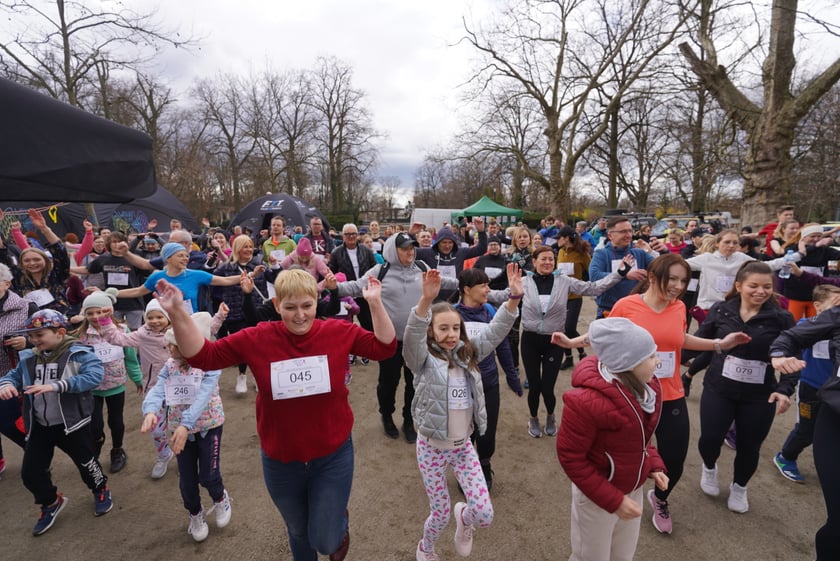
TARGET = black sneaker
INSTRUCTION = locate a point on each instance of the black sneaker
(409, 432)
(568, 363)
(365, 360)
(48, 515)
(389, 426)
(118, 459)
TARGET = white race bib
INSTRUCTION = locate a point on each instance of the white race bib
(459, 394)
(117, 279)
(447, 271)
(813, 270)
(278, 255)
(566, 268)
(724, 283)
(300, 377)
(181, 390)
(41, 297)
(743, 370)
(665, 364)
(493, 272)
(474, 328)
(692, 285)
(820, 349)
(108, 353)
(377, 247)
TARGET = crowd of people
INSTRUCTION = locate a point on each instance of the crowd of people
(442, 310)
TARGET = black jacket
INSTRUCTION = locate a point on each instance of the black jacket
(340, 261)
(725, 318)
(803, 336)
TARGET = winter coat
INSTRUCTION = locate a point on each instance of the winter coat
(82, 372)
(725, 318)
(604, 439)
(401, 286)
(430, 406)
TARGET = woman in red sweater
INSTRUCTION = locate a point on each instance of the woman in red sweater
(303, 415)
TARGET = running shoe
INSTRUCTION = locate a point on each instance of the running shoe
(241, 384)
(198, 526)
(738, 499)
(162, 464)
(222, 509)
(729, 440)
(102, 501)
(425, 555)
(463, 532)
(661, 514)
(551, 425)
(788, 468)
(709, 481)
(534, 427)
(48, 515)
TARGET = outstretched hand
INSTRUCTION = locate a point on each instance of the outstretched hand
(431, 284)
(514, 276)
(37, 219)
(373, 291)
(170, 296)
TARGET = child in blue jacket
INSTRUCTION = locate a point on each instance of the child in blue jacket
(56, 379)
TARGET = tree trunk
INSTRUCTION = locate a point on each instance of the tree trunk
(767, 171)
(612, 140)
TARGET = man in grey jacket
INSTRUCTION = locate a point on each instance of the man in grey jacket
(402, 281)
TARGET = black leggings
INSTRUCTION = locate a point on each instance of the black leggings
(802, 434)
(9, 414)
(116, 404)
(827, 462)
(542, 362)
(390, 372)
(486, 443)
(573, 307)
(672, 436)
(753, 420)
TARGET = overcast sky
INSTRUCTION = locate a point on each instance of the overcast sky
(401, 53)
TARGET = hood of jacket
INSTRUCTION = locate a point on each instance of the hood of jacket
(389, 253)
(446, 234)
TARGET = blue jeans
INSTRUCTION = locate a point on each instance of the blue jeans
(312, 497)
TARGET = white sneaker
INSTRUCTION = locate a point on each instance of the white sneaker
(425, 556)
(241, 384)
(223, 510)
(198, 527)
(161, 465)
(737, 498)
(463, 533)
(709, 481)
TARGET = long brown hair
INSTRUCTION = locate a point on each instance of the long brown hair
(467, 353)
(660, 270)
(752, 268)
(629, 381)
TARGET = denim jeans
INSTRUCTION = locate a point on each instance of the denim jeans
(312, 497)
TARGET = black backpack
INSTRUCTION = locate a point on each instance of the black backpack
(387, 266)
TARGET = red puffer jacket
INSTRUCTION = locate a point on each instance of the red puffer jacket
(604, 438)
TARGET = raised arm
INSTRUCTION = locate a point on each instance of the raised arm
(190, 340)
(383, 328)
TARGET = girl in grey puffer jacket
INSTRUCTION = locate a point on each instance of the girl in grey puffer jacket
(448, 400)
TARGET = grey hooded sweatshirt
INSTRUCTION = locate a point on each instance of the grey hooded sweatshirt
(401, 286)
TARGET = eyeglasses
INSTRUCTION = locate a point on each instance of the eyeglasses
(628, 231)
(350, 234)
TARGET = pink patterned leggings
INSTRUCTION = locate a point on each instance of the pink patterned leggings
(464, 462)
(159, 434)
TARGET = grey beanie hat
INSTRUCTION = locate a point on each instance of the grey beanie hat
(620, 344)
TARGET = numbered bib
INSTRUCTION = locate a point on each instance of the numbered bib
(117, 279)
(820, 349)
(493, 272)
(41, 297)
(813, 270)
(181, 390)
(447, 271)
(724, 283)
(300, 377)
(278, 254)
(459, 394)
(692, 285)
(108, 353)
(566, 268)
(665, 364)
(474, 328)
(743, 370)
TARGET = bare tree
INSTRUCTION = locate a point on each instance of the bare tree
(558, 52)
(229, 130)
(344, 133)
(66, 48)
(770, 125)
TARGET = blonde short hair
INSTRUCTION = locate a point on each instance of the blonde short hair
(239, 242)
(295, 282)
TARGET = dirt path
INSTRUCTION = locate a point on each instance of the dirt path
(388, 506)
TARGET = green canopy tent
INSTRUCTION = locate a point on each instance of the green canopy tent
(485, 206)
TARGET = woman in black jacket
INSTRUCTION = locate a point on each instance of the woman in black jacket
(740, 385)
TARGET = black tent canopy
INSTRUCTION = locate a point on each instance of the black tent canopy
(258, 213)
(51, 151)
